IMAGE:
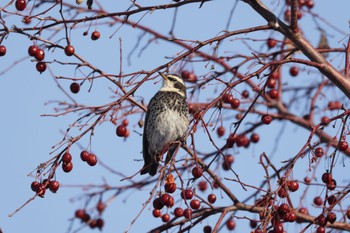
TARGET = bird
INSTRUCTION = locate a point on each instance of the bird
(167, 120)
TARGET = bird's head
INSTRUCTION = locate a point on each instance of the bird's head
(174, 83)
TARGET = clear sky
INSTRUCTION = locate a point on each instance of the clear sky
(27, 137)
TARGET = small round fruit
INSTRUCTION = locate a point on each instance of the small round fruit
(197, 172)
(235, 103)
(332, 184)
(32, 50)
(294, 71)
(189, 76)
(271, 83)
(331, 217)
(34, 185)
(84, 155)
(80, 213)
(227, 98)
(319, 152)
(271, 43)
(331, 200)
(2, 50)
(211, 198)
(95, 35)
(343, 145)
(21, 5)
(100, 223)
(156, 213)
(100, 207)
(54, 186)
(41, 190)
(67, 157)
(125, 122)
(74, 87)
(220, 131)
(266, 119)
(327, 177)
(40, 54)
(40, 66)
(92, 160)
(283, 209)
(231, 224)
(207, 229)
(187, 194)
(67, 167)
(178, 212)
(254, 138)
(188, 213)
(348, 213)
(69, 50)
(245, 94)
(195, 204)
(121, 131)
(170, 187)
(293, 185)
(203, 185)
(273, 93)
(318, 201)
(165, 217)
(320, 229)
(157, 203)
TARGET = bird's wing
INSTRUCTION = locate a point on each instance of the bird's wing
(146, 155)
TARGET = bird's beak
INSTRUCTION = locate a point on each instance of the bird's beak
(163, 76)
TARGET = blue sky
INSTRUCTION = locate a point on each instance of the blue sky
(27, 137)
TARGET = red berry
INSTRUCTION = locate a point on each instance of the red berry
(165, 198)
(92, 160)
(271, 83)
(121, 131)
(332, 184)
(331, 217)
(178, 212)
(54, 185)
(40, 54)
(27, 20)
(74, 87)
(197, 172)
(307, 180)
(156, 213)
(93, 223)
(84, 155)
(245, 94)
(318, 201)
(21, 5)
(227, 98)
(320, 229)
(220, 131)
(34, 185)
(202, 185)
(170, 187)
(95, 35)
(282, 193)
(41, 190)
(283, 209)
(271, 43)
(69, 50)
(290, 217)
(293, 185)
(165, 217)
(80, 213)
(188, 213)
(67, 158)
(157, 203)
(231, 224)
(212, 198)
(331, 200)
(100, 207)
(348, 213)
(189, 76)
(319, 152)
(195, 204)
(100, 223)
(40, 66)
(273, 93)
(253, 223)
(187, 194)
(67, 167)
(125, 122)
(343, 145)
(32, 50)
(309, 4)
(235, 103)
(207, 229)
(326, 177)
(266, 119)
(254, 138)
(294, 71)
(2, 50)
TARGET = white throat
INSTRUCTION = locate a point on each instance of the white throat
(172, 89)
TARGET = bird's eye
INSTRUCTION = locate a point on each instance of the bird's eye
(172, 79)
